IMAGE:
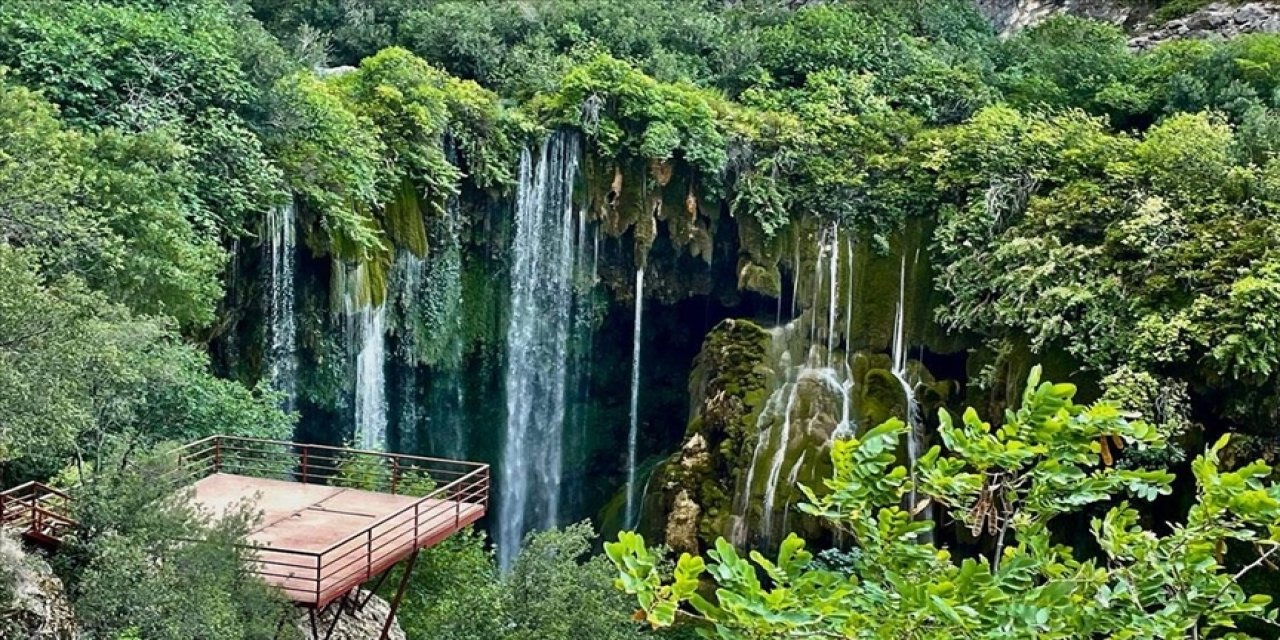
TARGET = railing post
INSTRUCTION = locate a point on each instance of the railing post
(368, 561)
(395, 474)
(416, 518)
(305, 449)
(217, 455)
(319, 577)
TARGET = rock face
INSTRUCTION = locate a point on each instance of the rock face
(682, 524)
(365, 624)
(1010, 16)
(1218, 20)
(33, 605)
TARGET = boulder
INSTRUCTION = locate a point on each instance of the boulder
(363, 624)
(682, 524)
(34, 604)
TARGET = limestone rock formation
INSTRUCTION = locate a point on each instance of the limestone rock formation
(1217, 20)
(33, 605)
(682, 524)
(363, 624)
(1010, 16)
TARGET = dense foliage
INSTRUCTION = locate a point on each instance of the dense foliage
(144, 564)
(458, 593)
(1049, 458)
(1115, 210)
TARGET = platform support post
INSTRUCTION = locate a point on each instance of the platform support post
(395, 602)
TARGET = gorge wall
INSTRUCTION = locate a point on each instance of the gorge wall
(514, 340)
(1011, 16)
(606, 332)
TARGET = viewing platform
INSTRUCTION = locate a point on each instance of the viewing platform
(330, 518)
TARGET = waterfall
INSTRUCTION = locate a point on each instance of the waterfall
(538, 340)
(633, 433)
(811, 390)
(833, 300)
(779, 456)
(581, 367)
(366, 326)
(779, 353)
(915, 421)
(371, 383)
(407, 275)
(283, 353)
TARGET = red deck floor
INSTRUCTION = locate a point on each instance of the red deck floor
(305, 536)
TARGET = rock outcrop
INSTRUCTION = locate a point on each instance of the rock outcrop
(1010, 16)
(1218, 20)
(33, 604)
(363, 624)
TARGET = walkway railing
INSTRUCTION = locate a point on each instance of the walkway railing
(37, 511)
(448, 495)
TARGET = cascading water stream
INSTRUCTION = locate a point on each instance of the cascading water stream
(778, 338)
(634, 432)
(283, 353)
(779, 456)
(370, 328)
(538, 340)
(581, 367)
(915, 421)
(833, 265)
(806, 364)
(408, 274)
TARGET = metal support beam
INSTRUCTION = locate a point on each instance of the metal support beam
(395, 602)
(317, 618)
(382, 577)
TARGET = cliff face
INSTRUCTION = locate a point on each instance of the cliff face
(1011, 16)
(1218, 19)
(33, 604)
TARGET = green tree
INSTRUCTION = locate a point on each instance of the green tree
(143, 561)
(557, 590)
(78, 373)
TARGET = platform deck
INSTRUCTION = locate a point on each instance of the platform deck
(316, 542)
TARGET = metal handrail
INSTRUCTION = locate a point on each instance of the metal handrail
(358, 556)
(316, 577)
(35, 508)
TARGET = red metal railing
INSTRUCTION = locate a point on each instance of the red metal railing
(36, 510)
(448, 495)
